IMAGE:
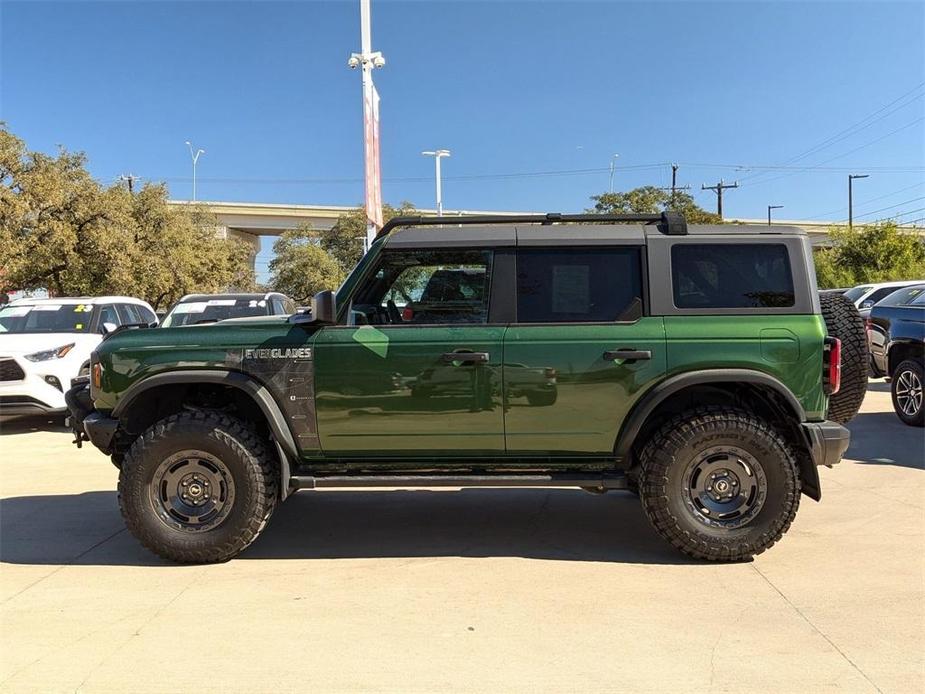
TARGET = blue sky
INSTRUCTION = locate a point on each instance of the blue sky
(509, 87)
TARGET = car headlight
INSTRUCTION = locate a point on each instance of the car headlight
(47, 354)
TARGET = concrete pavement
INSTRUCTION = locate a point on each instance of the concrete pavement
(471, 590)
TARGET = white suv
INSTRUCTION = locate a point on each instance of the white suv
(44, 343)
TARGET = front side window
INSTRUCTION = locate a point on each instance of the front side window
(566, 285)
(731, 275)
(425, 287)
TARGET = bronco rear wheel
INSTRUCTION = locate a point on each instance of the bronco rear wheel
(719, 484)
(197, 487)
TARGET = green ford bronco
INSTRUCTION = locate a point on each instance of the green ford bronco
(691, 366)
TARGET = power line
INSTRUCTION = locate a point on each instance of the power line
(845, 154)
(857, 127)
(917, 184)
(890, 207)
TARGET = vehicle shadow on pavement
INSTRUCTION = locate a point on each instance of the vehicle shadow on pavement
(879, 438)
(29, 423)
(559, 524)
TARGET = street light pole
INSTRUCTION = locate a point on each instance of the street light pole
(368, 60)
(613, 166)
(851, 178)
(438, 154)
(772, 207)
(195, 158)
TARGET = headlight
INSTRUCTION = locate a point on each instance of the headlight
(50, 353)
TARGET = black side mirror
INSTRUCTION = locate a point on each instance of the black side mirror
(323, 308)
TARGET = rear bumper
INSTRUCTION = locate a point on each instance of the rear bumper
(828, 441)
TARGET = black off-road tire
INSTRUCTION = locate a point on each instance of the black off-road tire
(235, 447)
(843, 321)
(674, 450)
(906, 391)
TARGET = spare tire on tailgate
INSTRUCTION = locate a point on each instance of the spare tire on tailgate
(843, 321)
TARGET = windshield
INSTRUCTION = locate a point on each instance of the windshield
(46, 318)
(211, 310)
(856, 293)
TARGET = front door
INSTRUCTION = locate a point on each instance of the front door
(581, 352)
(416, 372)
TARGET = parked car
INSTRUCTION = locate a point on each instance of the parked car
(198, 309)
(44, 343)
(695, 366)
(896, 336)
(865, 296)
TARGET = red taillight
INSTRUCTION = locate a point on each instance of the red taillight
(832, 363)
(407, 313)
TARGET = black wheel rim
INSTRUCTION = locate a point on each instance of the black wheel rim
(192, 491)
(909, 393)
(724, 487)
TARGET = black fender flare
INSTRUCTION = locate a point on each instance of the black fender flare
(665, 389)
(259, 393)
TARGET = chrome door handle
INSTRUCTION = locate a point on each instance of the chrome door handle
(466, 357)
(627, 354)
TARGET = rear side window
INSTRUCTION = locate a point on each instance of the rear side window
(740, 275)
(565, 285)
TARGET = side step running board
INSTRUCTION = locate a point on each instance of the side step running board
(609, 481)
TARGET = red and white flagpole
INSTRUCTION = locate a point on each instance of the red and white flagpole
(366, 60)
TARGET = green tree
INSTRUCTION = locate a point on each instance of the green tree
(62, 231)
(879, 252)
(652, 200)
(301, 267)
(344, 240)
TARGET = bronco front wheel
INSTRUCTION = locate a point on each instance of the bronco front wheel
(197, 487)
(719, 484)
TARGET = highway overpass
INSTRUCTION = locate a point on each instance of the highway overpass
(249, 221)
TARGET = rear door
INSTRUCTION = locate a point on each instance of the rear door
(417, 369)
(582, 348)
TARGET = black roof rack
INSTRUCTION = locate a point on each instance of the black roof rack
(672, 223)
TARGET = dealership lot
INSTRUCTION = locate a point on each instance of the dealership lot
(479, 590)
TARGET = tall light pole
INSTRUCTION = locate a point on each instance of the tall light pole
(772, 207)
(438, 154)
(366, 60)
(851, 178)
(613, 166)
(195, 158)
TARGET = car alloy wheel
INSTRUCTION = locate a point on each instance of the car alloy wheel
(909, 393)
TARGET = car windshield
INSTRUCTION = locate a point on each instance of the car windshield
(902, 297)
(856, 293)
(920, 299)
(211, 310)
(46, 318)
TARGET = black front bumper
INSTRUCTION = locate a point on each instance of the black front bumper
(828, 441)
(88, 424)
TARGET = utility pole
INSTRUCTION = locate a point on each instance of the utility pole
(772, 207)
(851, 178)
(129, 180)
(195, 158)
(718, 189)
(674, 181)
(367, 60)
(438, 154)
(613, 166)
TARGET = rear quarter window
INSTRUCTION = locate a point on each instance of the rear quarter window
(731, 276)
